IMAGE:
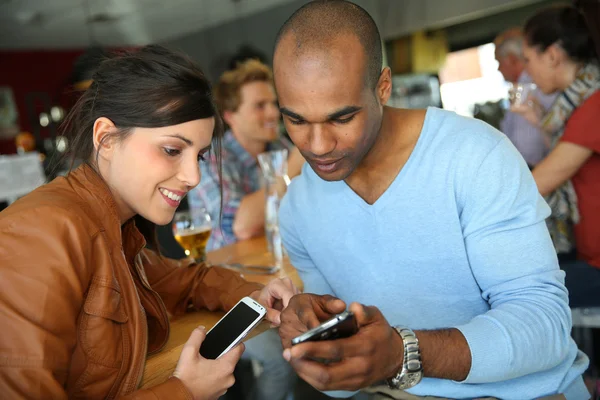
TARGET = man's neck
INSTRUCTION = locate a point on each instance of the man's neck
(253, 147)
(399, 132)
(520, 73)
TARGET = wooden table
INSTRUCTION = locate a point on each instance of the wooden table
(160, 366)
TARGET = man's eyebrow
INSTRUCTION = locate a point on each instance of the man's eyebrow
(335, 115)
(178, 136)
(344, 111)
(291, 114)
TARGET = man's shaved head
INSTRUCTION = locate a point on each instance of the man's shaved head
(330, 85)
(315, 26)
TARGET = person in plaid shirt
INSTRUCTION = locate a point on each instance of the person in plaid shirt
(246, 98)
(248, 104)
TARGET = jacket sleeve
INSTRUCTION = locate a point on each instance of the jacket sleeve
(43, 253)
(184, 283)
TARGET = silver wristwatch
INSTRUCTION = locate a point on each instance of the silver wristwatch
(411, 372)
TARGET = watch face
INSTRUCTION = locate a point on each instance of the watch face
(410, 379)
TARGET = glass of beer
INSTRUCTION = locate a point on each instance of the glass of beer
(192, 230)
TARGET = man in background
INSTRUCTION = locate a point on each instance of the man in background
(528, 139)
(247, 101)
(246, 98)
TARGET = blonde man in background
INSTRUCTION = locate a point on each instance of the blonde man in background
(246, 99)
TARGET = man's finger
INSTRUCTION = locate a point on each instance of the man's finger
(331, 349)
(290, 330)
(346, 375)
(364, 314)
(335, 306)
(192, 346)
(308, 317)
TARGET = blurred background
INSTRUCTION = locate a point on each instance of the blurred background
(440, 52)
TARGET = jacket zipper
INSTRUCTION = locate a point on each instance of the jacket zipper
(137, 266)
(144, 347)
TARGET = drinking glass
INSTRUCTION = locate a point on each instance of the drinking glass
(192, 230)
(518, 93)
(274, 168)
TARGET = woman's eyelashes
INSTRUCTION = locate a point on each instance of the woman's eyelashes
(171, 152)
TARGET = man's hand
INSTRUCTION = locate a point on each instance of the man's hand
(304, 312)
(373, 354)
(275, 296)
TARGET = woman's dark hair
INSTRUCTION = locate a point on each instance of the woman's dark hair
(148, 88)
(564, 25)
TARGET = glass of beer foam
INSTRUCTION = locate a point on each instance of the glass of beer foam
(192, 230)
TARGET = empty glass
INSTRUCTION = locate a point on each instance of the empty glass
(518, 93)
(274, 168)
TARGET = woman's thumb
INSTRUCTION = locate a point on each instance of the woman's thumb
(192, 346)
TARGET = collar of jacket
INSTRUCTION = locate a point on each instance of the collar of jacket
(93, 189)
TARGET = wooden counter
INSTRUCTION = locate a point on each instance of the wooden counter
(160, 366)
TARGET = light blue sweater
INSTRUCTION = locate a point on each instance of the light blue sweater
(457, 240)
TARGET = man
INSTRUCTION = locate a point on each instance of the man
(248, 104)
(247, 101)
(528, 139)
(431, 217)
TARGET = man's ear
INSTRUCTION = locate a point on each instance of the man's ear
(229, 117)
(384, 86)
(104, 138)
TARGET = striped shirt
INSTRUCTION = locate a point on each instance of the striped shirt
(528, 139)
(241, 176)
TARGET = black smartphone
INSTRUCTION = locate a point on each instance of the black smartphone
(341, 326)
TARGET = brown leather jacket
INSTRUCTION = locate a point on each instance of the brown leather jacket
(82, 305)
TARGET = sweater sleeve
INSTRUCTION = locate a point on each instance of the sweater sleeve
(527, 328)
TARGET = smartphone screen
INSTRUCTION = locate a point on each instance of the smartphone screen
(227, 330)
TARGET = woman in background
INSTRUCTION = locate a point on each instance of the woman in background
(560, 56)
(82, 304)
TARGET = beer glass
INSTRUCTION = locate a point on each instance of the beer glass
(192, 230)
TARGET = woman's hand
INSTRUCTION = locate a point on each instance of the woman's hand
(206, 379)
(532, 110)
(275, 296)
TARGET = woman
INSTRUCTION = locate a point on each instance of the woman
(81, 303)
(560, 56)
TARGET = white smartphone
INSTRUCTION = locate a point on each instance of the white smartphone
(232, 328)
